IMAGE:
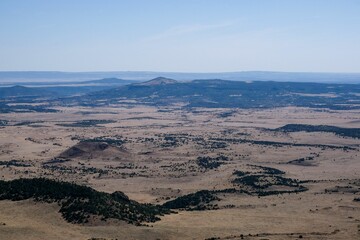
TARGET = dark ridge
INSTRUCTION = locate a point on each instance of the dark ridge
(79, 203)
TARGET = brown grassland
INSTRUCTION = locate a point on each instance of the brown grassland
(156, 161)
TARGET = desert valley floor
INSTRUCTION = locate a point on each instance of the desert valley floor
(309, 181)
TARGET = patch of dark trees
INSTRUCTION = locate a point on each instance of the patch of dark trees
(255, 184)
(268, 170)
(259, 183)
(176, 140)
(340, 131)
(195, 201)
(211, 162)
(301, 161)
(56, 160)
(114, 141)
(171, 141)
(74, 170)
(27, 123)
(226, 114)
(3, 123)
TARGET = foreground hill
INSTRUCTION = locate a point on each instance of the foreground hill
(220, 93)
(80, 204)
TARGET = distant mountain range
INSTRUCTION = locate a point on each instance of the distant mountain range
(108, 81)
(49, 76)
(54, 89)
(49, 83)
(216, 93)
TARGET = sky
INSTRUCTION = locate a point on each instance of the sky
(180, 36)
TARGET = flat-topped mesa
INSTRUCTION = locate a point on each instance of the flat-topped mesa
(158, 81)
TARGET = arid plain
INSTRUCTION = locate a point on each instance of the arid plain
(164, 153)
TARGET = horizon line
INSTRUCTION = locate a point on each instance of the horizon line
(180, 72)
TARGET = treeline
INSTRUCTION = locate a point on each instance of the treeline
(24, 108)
(280, 144)
(268, 170)
(86, 123)
(15, 163)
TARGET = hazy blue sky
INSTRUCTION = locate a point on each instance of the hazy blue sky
(180, 35)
